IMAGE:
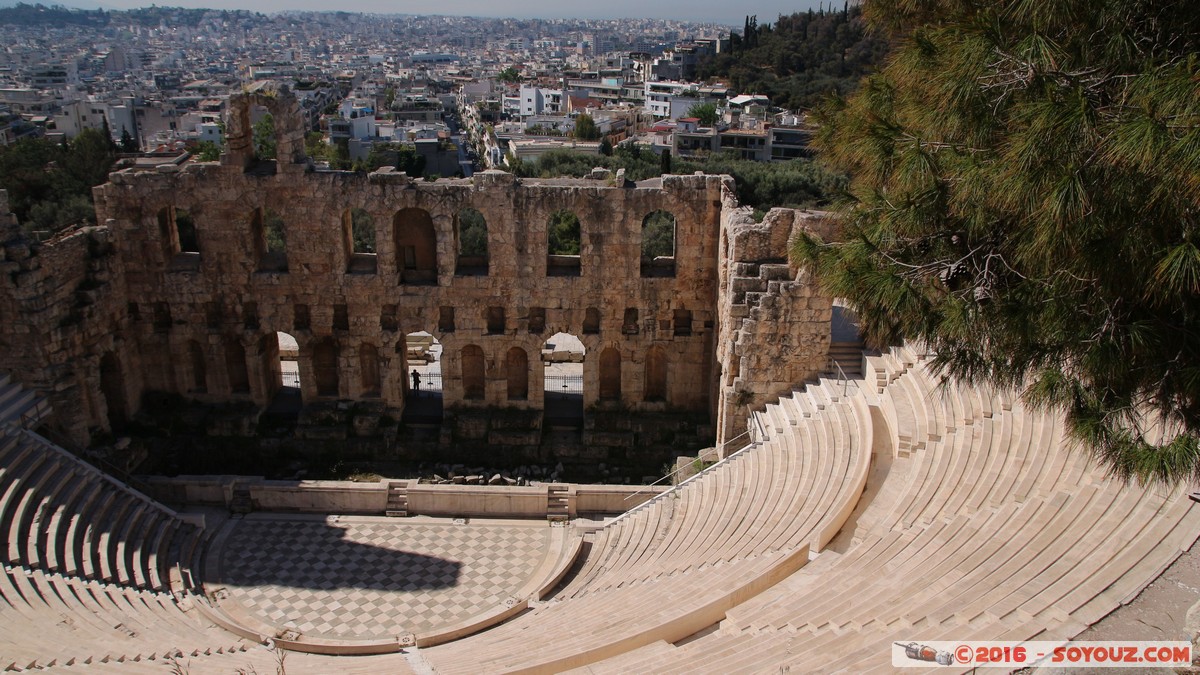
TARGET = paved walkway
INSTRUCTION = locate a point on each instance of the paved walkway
(369, 577)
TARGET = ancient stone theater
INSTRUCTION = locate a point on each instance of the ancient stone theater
(852, 503)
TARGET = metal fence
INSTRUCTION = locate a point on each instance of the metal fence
(430, 382)
(291, 374)
(564, 384)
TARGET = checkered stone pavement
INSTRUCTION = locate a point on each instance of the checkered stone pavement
(363, 580)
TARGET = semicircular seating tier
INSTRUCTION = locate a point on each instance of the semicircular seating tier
(979, 520)
(865, 512)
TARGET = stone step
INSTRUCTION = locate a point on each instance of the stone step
(397, 501)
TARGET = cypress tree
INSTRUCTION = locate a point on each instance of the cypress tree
(1025, 182)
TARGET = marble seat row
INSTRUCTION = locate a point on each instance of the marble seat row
(61, 515)
(94, 572)
(682, 561)
(989, 525)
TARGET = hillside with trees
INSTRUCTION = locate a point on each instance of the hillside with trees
(50, 184)
(799, 183)
(1024, 201)
(800, 58)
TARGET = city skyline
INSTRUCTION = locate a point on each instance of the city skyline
(704, 11)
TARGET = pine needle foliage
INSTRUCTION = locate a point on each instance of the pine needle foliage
(1025, 199)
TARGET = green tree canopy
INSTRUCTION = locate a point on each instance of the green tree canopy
(802, 57)
(1026, 178)
(586, 129)
(705, 112)
(264, 137)
(563, 233)
(207, 151)
(50, 184)
(472, 233)
(509, 74)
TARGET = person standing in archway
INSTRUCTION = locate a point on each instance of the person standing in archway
(416, 379)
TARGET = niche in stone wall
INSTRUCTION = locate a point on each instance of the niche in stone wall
(112, 386)
(629, 323)
(495, 320)
(610, 375)
(682, 320)
(387, 318)
(199, 368)
(473, 373)
(537, 320)
(341, 317)
(235, 366)
(368, 367)
(325, 367)
(446, 319)
(516, 370)
(300, 317)
(655, 384)
(591, 321)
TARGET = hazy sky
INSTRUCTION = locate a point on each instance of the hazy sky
(723, 11)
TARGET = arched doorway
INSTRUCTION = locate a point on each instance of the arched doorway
(423, 381)
(281, 363)
(562, 359)
(289, 362)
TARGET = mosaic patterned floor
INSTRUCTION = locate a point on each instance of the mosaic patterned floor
(374, 577)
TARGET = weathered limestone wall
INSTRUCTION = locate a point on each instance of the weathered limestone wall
(371, 498)
(222, 301)
(774, 323)
(100, 316)
(62, 324)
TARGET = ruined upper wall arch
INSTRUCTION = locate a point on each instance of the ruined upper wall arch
(284, 108)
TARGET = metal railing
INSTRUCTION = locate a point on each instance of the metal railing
(564, 384)
(431, 383)
(836, 372)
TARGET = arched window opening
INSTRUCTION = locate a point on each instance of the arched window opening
(185, 227)
(359, 232)
(516, 370)
(416, 247)
(656, 375)
(181, 248)
(472, 244)
(563, 244)
(474, 378)
(270, 240)
(610, 375)
(658, 245)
